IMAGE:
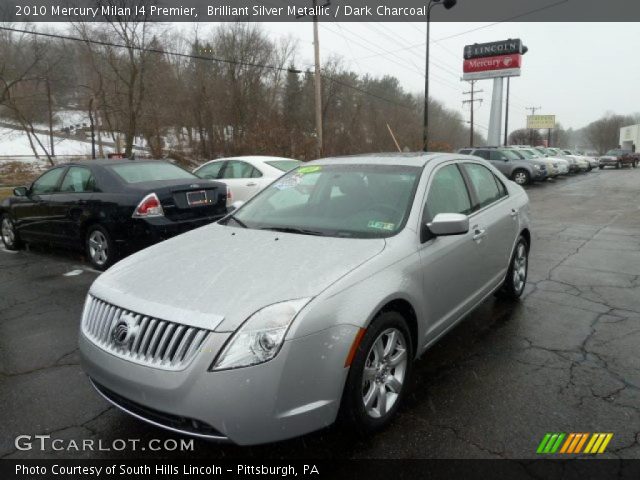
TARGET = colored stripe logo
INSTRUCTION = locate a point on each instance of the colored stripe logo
(573, 443)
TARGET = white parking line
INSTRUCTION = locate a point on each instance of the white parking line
(73, 273)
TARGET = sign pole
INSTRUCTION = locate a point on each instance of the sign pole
(495, 118)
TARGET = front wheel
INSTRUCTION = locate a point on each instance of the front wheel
(100, 248)
(10, 237)
(601, 167)
(521, 177)
(619, 164)
(378, 375)
(517, 273)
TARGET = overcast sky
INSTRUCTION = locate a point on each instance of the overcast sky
(577, 71)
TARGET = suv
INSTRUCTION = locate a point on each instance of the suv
(618, 158)
(523, 172)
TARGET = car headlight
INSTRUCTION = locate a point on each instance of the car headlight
(260, 338)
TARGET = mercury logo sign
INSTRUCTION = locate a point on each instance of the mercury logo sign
(124, 330)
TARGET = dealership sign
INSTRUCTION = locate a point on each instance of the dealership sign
(505, 47)
(539, 122)
(492, 60)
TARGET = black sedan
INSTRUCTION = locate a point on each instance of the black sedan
(110, 207)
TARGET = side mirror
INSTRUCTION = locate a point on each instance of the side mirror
(449, 224)
(236, 205)
(20, 191)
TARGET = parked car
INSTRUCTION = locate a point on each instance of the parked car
(246, 176)
(530, 153)
(585, 163)
(618, 158)
(563, 164)
(513, 166)
(110, 207)
(305, 306)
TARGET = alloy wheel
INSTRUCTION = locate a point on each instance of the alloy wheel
(8, 234)
(520, 178)
(520, 268)
(98, 247)
(384, 372)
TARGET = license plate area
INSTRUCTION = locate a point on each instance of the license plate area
(197, 198)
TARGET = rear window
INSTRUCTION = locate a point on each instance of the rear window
(150, 172)
(283, 165)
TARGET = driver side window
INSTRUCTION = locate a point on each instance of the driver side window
(447, 194)
(48, 182)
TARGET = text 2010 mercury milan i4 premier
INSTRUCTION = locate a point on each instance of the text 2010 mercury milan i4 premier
(310, 302)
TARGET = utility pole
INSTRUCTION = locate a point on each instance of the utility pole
(471, 101)
(318, 85)
(506, 114)
(317, 79)
(533, 112)
(51, 144)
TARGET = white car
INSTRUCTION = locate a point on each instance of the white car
(245, 176)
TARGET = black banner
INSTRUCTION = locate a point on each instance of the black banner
(325, 10)
(584, 469)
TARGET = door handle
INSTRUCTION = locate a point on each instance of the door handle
(251, 184)
(514, 213)
(479, 233)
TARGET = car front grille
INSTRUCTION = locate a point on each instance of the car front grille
(152, 342)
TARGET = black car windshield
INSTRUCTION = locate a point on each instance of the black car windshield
(283, 165)
(359, 201)
(150, 172)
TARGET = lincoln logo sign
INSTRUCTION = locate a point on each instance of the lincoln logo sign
(491, 60)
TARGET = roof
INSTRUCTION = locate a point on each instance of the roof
(108, 162)
(410, 159)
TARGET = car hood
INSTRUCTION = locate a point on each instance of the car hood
(215, 277)
(608, 157)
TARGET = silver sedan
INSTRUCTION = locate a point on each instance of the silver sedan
(308, 304)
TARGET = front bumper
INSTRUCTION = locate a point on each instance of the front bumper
(297, 392)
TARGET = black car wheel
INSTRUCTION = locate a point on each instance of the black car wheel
(521, 177)
(619, 164)
(379, 374)
(601, 167)
(100, 248)
(10, 237)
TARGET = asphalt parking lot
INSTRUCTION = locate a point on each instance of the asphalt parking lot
(564, 359)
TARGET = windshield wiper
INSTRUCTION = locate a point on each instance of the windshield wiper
(239, 222)
(301, 231)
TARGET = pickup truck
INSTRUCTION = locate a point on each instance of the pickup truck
(618, 158)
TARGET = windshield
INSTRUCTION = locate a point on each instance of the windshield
(150, 172)
(526, 154)
(283, 165)
(359, 201)
(614, 152)
(533, 153)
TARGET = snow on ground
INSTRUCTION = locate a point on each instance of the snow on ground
(16, 142)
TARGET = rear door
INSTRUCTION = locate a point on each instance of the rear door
(33, 214)
(494, 224)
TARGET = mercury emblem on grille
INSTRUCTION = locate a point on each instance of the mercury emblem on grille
(124, 330)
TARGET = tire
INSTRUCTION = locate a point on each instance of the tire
(619, 164)
(634, 164)
(513, 285)
(10, 237)
(99, 247)
(393, 380)
(521, 177)
(601, 167)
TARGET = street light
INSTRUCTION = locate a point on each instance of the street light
(448, 4)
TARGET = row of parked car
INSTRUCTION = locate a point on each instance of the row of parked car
(110, 208)
(525, 164)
